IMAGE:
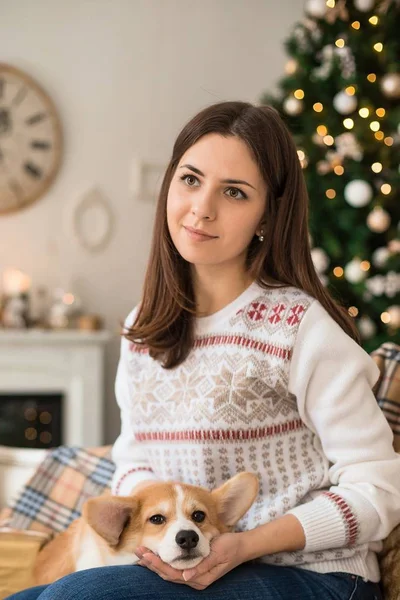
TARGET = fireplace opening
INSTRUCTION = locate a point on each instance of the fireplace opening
(30, 420)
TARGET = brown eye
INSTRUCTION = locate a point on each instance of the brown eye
(189, 180)
(237, 194)
(157, 519)
(198, 516)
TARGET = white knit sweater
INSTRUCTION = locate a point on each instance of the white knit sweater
(274, 386)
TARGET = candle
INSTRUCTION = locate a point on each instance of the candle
(15, 282)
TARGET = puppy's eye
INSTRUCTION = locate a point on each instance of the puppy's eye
(198, 516)
(157, 519)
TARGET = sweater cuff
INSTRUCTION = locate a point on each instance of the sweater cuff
(124, 482)
(328, 522)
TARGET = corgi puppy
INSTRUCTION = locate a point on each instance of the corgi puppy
(176, 521)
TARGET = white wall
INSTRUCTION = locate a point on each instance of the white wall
(125, 76)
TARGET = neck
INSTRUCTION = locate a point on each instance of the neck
(215, 290)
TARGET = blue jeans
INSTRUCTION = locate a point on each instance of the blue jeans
(249, 581)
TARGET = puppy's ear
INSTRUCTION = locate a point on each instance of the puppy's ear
(109, 515)
(234, 498)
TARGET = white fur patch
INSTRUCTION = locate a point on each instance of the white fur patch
(92, 555)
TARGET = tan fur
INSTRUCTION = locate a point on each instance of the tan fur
(112, 527)
(56, 559)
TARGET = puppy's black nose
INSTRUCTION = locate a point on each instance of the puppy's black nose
(187, 539)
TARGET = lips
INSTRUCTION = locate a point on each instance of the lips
(199, 232)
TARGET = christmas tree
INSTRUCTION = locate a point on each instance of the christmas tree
(340, 97)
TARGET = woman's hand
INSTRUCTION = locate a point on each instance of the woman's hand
(226, 554)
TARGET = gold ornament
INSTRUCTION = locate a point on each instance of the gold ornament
(291, 66)
(394, 246)
(394, 313)
(390, 85)
(378, 220)
(339, 10)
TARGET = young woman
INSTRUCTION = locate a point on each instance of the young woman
(237, 358)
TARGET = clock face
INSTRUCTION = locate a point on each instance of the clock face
(30, 140)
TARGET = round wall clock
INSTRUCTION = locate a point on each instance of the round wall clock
(30, 140)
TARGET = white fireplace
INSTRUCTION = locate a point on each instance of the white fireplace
(67, 364)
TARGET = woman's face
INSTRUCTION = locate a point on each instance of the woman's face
(218, 189)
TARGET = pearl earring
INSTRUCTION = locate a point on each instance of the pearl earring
(261, 236)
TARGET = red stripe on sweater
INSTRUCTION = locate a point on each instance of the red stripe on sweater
(125, 475)
(240, 340)
(219, 435)
(350, 519)
(232, 340)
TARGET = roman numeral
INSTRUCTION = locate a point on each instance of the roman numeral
(16, 188)
(35, 118)
(40, 145)
(19, 96)
(32, 169)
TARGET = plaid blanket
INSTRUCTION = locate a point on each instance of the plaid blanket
(54, 496)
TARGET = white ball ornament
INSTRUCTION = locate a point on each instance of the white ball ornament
(353, 271)
(392, 283)
(366, 327)
(364, 5)
(292, 106)
(344, 103)
(320, 259)
(390, 85)
(380, 256)
(378, 220)
(358, 193)
(394, 246)
(316, 8)
(394, 312)
(376, 285)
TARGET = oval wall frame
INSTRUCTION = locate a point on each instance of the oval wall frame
(93, 220)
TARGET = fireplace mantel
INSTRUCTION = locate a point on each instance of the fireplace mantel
(43, 361)
(50, 336)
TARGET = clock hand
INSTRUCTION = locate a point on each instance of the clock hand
(5, 121)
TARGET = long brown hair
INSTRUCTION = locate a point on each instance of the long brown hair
(165, 319)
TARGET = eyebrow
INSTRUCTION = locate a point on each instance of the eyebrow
(192, 168)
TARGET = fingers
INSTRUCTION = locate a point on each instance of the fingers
(154, 563)
(140, 550)
(204, 574)
(206, 565)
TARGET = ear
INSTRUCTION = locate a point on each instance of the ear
(109, 515)
(235, 496)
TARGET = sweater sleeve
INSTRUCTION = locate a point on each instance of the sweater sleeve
(332, 378)
(132, 465)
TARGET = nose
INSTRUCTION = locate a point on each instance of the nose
(187, 539)
(203, 206)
